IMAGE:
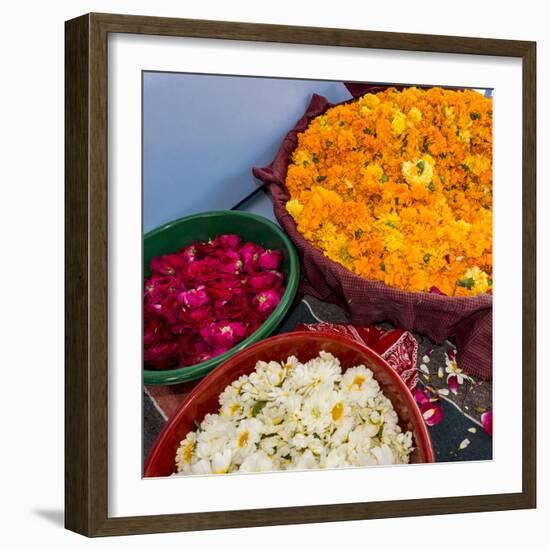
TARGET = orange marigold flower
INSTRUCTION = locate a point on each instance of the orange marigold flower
(397, 187)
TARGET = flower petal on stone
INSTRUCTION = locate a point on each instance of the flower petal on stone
(452, 382)
(421, 396)
(487, 422)
(432, 413)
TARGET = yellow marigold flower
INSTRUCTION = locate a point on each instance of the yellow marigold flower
(477, 163)
(398, 123)
(418, 171)
(393, 240)
(475, 279)
(370, 100)
(294, 208)
(364, 110)
(414, 116)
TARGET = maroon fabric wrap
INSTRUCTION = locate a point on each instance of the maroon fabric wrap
(467, 319)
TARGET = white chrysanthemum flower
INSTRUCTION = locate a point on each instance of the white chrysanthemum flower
(336, 458)
(316, 410)
(258, 461)
(320, 372)
(246, 435)
(356, 377)
(291, 415)
(305, 461)
(293, 406)
(231, 394)
(184, 454)
(360, 437)
(270, 443)
(262, 381)
(339, 408)
(273, 373)
(383, 454)
(202, 467)
(239, 383)
(214, 436)
(221, 462)
(231, 404)
(341, 434)
(310, 442)
(291, 363)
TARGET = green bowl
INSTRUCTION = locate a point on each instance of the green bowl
(173, 236)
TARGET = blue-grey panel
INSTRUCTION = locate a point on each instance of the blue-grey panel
(260, 203)
(203, 133)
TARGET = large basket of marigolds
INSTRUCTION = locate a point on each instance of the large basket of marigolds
(388, 199)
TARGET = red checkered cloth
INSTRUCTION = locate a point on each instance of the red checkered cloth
(467, 319)
(398, 347)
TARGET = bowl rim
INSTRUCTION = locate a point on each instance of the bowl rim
(423, 439)
(179, 375)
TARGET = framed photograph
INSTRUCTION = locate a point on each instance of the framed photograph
(284, 246)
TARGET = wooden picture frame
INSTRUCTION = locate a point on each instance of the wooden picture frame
(86, 223)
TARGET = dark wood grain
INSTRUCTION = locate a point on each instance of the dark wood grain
(86, 257)
(529, 275)
(77, 382)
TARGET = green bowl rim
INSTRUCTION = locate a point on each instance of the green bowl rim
(187, 374)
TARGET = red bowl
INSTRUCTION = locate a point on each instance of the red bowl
(304, 345)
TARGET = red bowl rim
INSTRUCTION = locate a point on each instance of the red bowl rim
(423, 436)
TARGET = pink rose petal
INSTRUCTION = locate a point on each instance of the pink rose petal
(435, 290)
(432, 413)
(487, 422)
(229, 241)
(421, 396)
(230, 262)
(194, 297)
(266, 301)
(270, 259)
(250, 255)
(264, 280)
(452, 382)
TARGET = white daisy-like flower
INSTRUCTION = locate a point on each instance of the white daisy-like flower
(384, 455)
(221, 461)
(360, 385)
(239, 383)
(290, 364)
(292, 415)
(273, 373)
(452, 369)
(184, 454)
(247, 435)
(201, 467)
(341, 434)
(270, 443)
(320, 372)
(259, 461)
(305, 461)
(317, 410)
(231, 403)
(214, 436)
(336, 458)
